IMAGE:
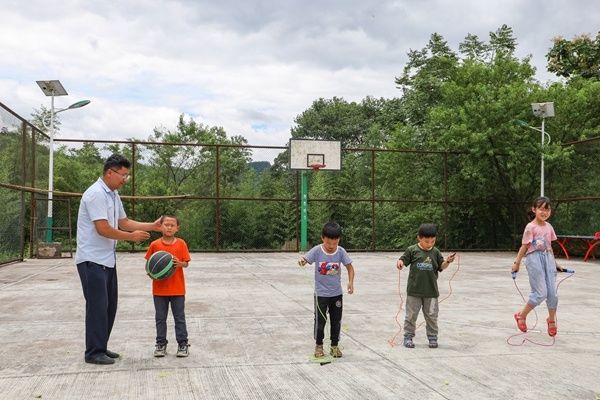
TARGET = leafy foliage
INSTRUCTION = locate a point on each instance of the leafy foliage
(579, 57)
(446, 151)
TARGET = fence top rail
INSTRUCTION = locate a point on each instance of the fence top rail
(17, 116)
(315, 199)
(383, 150)
(588, 237)
(146, 142)
(582, 141)
(371, 149)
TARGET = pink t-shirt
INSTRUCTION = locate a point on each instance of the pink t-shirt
(538, 237)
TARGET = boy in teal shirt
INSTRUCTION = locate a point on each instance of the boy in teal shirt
(425, 261)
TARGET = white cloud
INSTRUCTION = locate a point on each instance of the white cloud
(250, 67)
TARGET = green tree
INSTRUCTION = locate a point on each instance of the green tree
(474, 49)
(579, 57)
(421, 81)
(502, 43)
(184, 162)
(467, 105)
(337, 119)
(40, 118)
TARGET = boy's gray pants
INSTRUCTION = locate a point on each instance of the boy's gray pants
(430, 312)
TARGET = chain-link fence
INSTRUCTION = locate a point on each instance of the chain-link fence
(20, 158)
(576, 185)
(227, 201)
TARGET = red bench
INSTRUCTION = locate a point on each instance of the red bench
(590, 242)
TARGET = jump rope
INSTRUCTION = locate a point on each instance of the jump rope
(392, 341)
(524, 339)
(327, 359)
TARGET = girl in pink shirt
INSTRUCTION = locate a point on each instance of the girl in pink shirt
(541, 266)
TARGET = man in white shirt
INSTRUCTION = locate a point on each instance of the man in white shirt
(100, 223)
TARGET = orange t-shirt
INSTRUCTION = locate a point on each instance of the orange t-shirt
(175, 284)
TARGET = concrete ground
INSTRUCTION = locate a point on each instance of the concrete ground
(250, 317)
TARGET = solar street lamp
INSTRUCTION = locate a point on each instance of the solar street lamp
(54, 88)
(543, 110)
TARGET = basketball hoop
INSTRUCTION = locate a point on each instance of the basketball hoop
(315, 155)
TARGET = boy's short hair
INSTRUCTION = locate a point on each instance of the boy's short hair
(162, 218)
(427, 231)
(116, 160)
(331, 230)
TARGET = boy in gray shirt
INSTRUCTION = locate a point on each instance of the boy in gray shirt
(328, 259)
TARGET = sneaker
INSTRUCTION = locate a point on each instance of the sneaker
(408, 342)
(433, 343)
(182, 350)
(160, 350)
(319, 351)
(335, 352)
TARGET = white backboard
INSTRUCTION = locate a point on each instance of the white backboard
(306, 152)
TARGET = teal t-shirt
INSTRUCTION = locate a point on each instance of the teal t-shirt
(424, 268)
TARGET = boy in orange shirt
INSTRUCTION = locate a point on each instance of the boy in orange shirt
(170, 290)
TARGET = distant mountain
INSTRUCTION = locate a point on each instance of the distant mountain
(260, 166)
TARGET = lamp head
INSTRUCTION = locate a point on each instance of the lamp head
(79, 104)
(520, 122)
(543, 110)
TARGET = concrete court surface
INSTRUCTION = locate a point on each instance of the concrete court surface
(250, 318)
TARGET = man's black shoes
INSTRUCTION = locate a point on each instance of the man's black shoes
(101, 359)
(112, 354)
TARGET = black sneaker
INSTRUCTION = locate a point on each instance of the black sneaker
(160, 350)
(433, 343)
(182, 350)
(408, 342)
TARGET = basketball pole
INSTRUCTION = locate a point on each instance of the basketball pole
(303, 211)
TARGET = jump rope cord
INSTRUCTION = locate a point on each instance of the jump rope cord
(392, 342)
(526, 339)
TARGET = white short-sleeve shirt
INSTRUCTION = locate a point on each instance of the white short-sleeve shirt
(98, 203)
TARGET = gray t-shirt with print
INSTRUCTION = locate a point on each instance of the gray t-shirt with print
(328, 270)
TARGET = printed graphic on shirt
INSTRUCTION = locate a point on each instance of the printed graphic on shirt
(539, 243)
(425, 265)
(329, 268)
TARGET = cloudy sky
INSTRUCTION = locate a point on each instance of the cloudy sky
(248, 66)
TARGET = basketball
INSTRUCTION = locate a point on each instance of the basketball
(160, 265)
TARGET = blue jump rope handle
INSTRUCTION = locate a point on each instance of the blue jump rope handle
(514, 275)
